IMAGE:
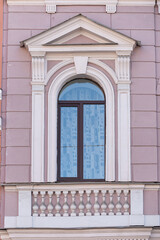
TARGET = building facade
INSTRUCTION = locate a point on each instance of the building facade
(80, 152)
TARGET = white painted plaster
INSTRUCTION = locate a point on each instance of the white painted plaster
(81, 64)
(136, 201)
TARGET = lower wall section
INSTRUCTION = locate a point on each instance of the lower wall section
(85, 234)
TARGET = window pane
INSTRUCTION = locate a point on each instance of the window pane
(93, 141)
(68, 135)
(81, 90)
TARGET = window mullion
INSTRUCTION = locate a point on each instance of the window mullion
(80, 142)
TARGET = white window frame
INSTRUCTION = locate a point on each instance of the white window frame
(54, 90)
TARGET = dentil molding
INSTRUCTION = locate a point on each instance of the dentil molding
(111, 5)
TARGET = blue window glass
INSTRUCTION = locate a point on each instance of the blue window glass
(81, 132)
(81, 90)
(93, 141)
(68, 140)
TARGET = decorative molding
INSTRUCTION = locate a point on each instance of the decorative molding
(129, 196)
(4, 235)
(48, 41)
(37, 167)
(81, 2)
(56, 68)
(55, 87)
(136, 233)
(105, 67)
(102, 199)
(123, 68)
(38, 76)
(120, 47)
(56, 187)
(111, 6)
(50, 6)
(38, 69)
(124, 145)
(81, 64)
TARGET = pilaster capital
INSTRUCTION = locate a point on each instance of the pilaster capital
(123, 67)
(38, 69)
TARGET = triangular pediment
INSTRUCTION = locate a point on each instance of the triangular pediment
(79, 36)
(79, 30)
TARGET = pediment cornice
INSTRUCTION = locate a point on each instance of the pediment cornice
(61, 38)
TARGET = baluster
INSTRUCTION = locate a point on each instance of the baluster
(81, 205)
(88, 205)
(42, 206)
(104, 205)
(35, 205)
(96, 205)
(50, 206)
(65, 205)
(73, 205)
(58, 206)
(126, 205)
(111, 205)
(118, 205)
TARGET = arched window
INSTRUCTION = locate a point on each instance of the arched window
(81, 132)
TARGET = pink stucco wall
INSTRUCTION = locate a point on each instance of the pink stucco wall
(21, 22)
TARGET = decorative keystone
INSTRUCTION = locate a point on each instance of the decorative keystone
(50, 6)
(81, 64)
(111, 6)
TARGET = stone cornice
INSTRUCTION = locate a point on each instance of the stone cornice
(83, 2)
(111, 5)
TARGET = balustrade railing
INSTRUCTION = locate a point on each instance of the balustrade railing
(66, 202)
(77, 205)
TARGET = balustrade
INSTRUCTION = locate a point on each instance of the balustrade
(82, 202)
